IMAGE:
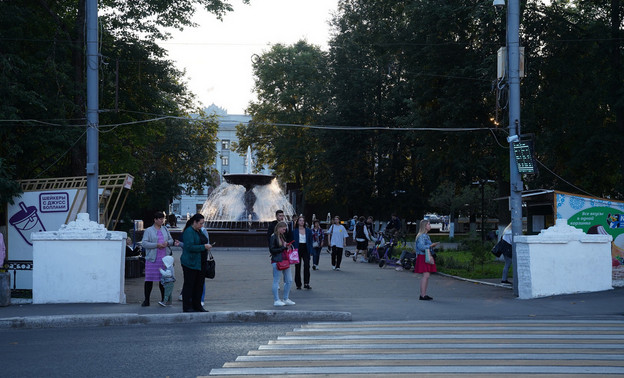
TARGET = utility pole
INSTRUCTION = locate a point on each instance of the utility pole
(513, 74)
(93, 121)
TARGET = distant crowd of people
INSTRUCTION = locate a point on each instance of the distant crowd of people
(283, 237)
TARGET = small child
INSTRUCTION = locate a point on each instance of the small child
(167, 279)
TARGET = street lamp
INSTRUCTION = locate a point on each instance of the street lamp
(513, 78)
(481, 184)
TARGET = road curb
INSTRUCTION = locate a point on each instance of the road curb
(476, 281)
(103, 320)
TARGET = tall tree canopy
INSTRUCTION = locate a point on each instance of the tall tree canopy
(432, 64)
(146, 128)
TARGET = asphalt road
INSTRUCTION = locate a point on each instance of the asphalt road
(185, 350)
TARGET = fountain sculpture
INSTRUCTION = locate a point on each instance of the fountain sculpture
(245, 201)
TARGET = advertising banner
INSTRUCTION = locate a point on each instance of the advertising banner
(33, 212)
(594, 216)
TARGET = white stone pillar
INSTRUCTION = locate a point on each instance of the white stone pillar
(82, 262)
(562, 260)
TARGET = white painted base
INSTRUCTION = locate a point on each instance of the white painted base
(78, 271)
(562, 261)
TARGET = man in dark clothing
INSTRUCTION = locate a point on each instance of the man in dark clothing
(394, 225)
(279, 217)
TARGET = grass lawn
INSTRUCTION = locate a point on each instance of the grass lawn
(460, 263)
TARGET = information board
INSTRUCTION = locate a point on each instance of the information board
(524, 157)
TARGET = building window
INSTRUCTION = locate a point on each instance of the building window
(225, 161)
(225, 144)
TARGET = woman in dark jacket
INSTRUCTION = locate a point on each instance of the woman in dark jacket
(303, 241)
(277, 246)
(195, 247)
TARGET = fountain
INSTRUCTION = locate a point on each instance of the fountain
(244, 202)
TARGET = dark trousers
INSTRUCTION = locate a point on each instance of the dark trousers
(304, 258)
(336, 256)
(316, 254)
(147, 290)
(192, 289)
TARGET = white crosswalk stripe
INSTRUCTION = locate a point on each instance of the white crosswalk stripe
(441, 348)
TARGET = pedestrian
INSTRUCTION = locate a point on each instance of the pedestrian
(277, 246)
(423, 242)
(362, 237)
(302, 237)
(507, 253)
(353, 222)
(370, 226)
(167, 278)
(318, 240)
(291, 226)
(156, 239)
(337, 241)
(2, 250)
(195, 246)
(394, 226)
(279, 217)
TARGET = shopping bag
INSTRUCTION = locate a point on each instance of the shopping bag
(293, 256)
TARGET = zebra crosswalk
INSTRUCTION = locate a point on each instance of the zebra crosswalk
(441, 348)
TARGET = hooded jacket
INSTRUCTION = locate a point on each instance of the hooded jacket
(167, 274)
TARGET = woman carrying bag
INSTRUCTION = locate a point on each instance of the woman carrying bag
(193, 252)
(277, 247)
(423, 246)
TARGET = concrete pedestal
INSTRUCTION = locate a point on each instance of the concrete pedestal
(81, 263)
(563, 260)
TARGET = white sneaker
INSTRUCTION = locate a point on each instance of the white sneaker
(399, 269)
(338, 269)
(333, 267)
(279, 303)
(162, 304)
(288, 302)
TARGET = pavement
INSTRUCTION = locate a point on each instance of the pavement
(241, 292)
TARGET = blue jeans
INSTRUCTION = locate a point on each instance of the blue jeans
(506, 268)
(276, 278)
(316, 254)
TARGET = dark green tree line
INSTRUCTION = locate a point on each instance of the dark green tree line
(42, 86)
(432, 64)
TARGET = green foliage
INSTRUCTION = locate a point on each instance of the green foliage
(424, 64)
(42, 84)
(460, 263)
(292, 86)
(8, 188)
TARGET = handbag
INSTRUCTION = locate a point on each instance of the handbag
(284, 263)
(209, 267)
(428, 258)
(496, 250)
(293, 256)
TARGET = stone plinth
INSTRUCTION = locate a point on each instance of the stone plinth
(80, 263)
(562, 260)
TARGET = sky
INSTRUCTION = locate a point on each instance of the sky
(216, 55)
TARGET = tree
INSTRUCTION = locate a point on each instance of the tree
(292, 88)
(42, 77)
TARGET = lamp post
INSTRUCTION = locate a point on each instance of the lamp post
(513, 77)
(481, 184)
(93, 59)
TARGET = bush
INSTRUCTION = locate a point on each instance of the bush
(463, 263)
